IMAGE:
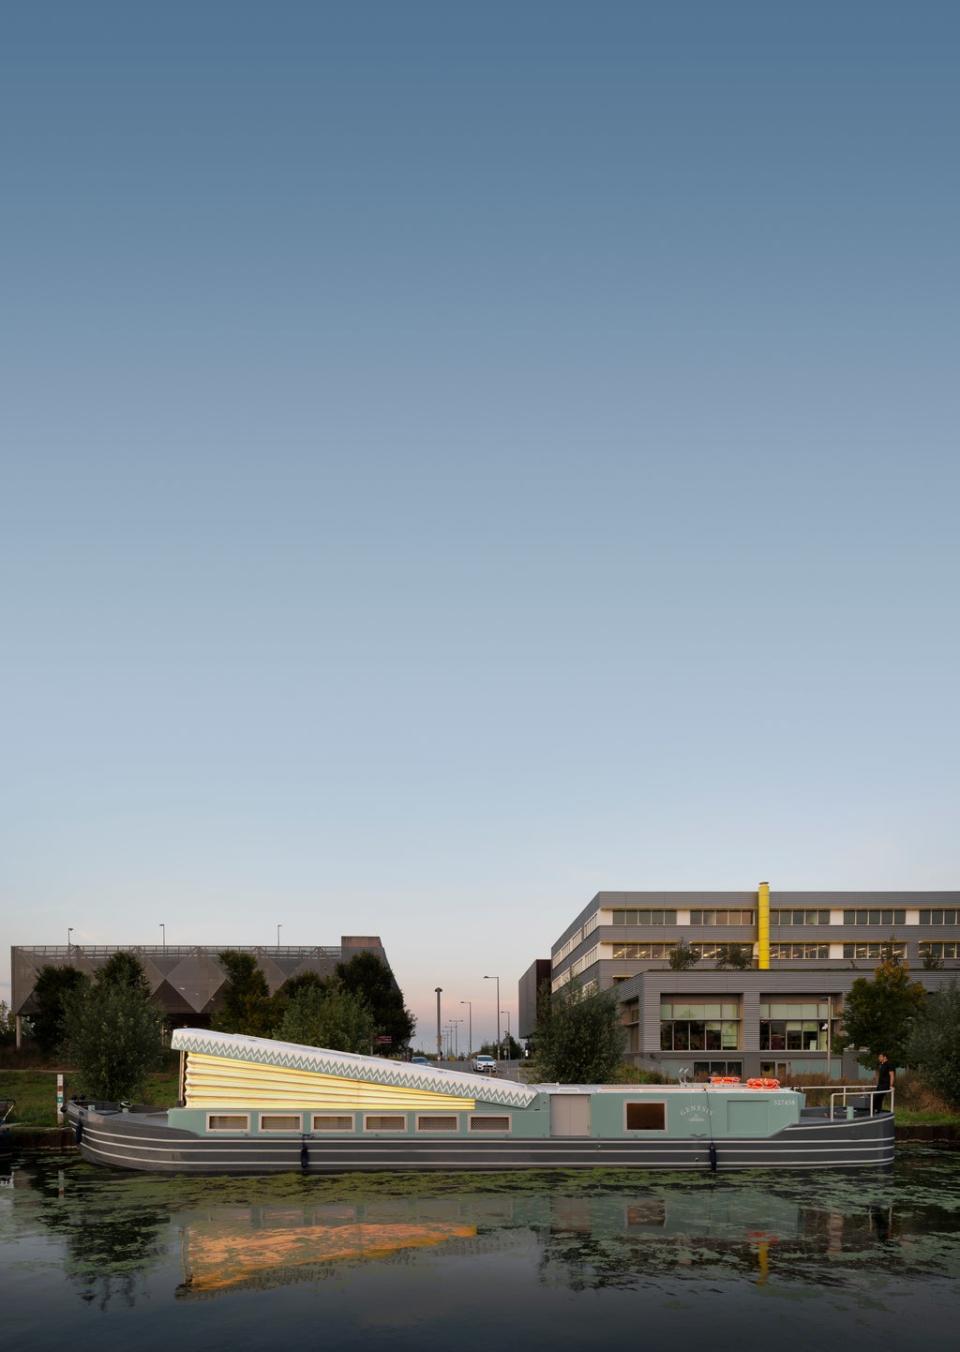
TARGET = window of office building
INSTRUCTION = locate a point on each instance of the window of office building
(874, 950)
(941, 950)
(710, 951)
(777, 1070)
(702, 1070)
(783, 952)
(700, 1026)
(874, 917)
(722, 917)
(631, 917)
(806, 917)
(643, 951)
(796, 1025)
(938, 917)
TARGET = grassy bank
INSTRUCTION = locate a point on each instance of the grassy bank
(35, 1092)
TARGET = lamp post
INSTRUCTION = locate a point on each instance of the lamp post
(439, 990)
(279, 928)
(469, 1005)
(509, 1048)
(497, 980)
(163, 936)
(456, 1037)
(69, 932)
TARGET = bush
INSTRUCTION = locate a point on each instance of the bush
(54, 987)
(580, 1039)
(933, 1047)
(327, 1016)
(115, 1038)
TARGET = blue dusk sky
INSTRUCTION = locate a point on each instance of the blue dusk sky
(461, 457)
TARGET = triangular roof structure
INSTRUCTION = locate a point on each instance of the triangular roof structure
(351, 1066)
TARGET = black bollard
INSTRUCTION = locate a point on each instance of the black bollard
(304, 1155)
(713, 1157)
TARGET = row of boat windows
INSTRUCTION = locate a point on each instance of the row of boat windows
(286, 1122)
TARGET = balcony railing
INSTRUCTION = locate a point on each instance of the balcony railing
(179, 950)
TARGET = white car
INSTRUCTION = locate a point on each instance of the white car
(485, 1065)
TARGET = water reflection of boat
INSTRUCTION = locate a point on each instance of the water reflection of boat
(266, 1247)
(251, 1105)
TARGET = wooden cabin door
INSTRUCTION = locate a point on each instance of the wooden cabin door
(569, 1115)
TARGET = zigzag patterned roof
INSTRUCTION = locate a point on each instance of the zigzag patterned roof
(348, 1065)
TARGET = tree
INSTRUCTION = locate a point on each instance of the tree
(54, 985)
(580, 1039)
(124, 969)
(291, 987)
(326, 1015)
(244, 997)
(683, 956)
(878, 1014)
(368, 976)
(737, 956)
(933, 1047)
(115, 1037)
(931, 963)
(8, 1024)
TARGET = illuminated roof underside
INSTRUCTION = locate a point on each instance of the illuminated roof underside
(230, 1068)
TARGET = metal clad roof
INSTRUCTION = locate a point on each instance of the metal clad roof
(349, 1065)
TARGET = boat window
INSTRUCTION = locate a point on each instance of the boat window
(331, 1122)
(228, 1122)
(446, 1122)
(646, 1116)
(489, 1123)
(280, 1122)
(383, 1122)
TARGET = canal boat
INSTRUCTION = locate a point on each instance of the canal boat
(255, 1106)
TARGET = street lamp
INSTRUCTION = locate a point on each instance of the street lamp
(509, 1047)
(69, 932)
(497, 980)
(279, 928)
(163, 936)
(439, 991)
(469, 1005)
(456, 1037)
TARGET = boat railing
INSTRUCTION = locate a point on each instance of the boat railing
(841, 1094)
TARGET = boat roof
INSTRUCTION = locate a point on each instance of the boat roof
(352, 1066)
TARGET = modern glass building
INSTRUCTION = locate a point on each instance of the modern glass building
(778, 1014)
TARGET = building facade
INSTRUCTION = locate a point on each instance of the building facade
(529, 995)
(801, 952)
(184, 982)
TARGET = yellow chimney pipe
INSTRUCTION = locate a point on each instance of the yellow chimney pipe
(763, 927)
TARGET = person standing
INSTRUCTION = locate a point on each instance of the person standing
(885, 1081)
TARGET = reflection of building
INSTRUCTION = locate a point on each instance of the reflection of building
(184, 982)
(802, 951)
(532, 983)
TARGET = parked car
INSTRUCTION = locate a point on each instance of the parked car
(485, 1065)
(419, 1061)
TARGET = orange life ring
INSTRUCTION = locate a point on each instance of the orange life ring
(763, 1084)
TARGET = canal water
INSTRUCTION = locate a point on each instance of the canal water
(96, 1259)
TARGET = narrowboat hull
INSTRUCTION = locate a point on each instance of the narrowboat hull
(144, 1141)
